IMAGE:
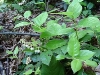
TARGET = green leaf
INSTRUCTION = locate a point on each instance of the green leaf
(27, 14)
(54, 68)
(53, 44)
(88, 37)
(85, 54)
(89, 22)
(73, 46)
(81, 72)
(97, 28)
(85, 12)
(91, 63)
(38, 28)
(46, 35)
(90, 5)
(74, 8)
(1, 27)
(56, 29)
(80, 33)
(37, 71)
(13, 57)
(60, 57)
(17, 6)
(29, 66)
(46, 57)
(80, 0)
(22, 24)
(97, 52)
(40, 19)
(16, 50)
(64, 49)
(76, 65)
(35, 58)
(28, 72)
(9, 52)
(67, 1)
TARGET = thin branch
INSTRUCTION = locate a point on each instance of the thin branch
(18, 33)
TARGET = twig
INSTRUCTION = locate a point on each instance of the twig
(18, 33)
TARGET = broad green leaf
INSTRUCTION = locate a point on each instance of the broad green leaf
(73, 46)
(46, 57)
(76, 65)
(97, 52)
(91, 63)
(81, 72)
(56, 29)
(22, 24)
(54, 68)
(60, 57)
(37, 71)
(97, 28)
(31, 66)
(16, 50)
(89, 22)
(17, 6)
(28, 72)
(61, 50)
(53, 44)
(38, 29)
(40, 19)
(85, 54)
(27, 14)
(46, 35)
(9, 52)
(85, 12)
(80, 33)
(64, 49)
(74, 8)
(35, 58)
(90, 5)
(88, 36)
(57, 51)
(51, 22)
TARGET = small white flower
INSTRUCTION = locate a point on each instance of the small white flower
(23, 45)
(28, 60)
(27, 46)
(22, 2)
(37, 51)
(31, 48)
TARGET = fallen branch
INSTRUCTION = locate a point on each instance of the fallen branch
(17, 33)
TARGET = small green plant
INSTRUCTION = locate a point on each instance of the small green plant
(87, 8)
(58, 42)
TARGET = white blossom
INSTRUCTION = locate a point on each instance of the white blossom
(32, 48)
(37, 51)
(28, 60)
